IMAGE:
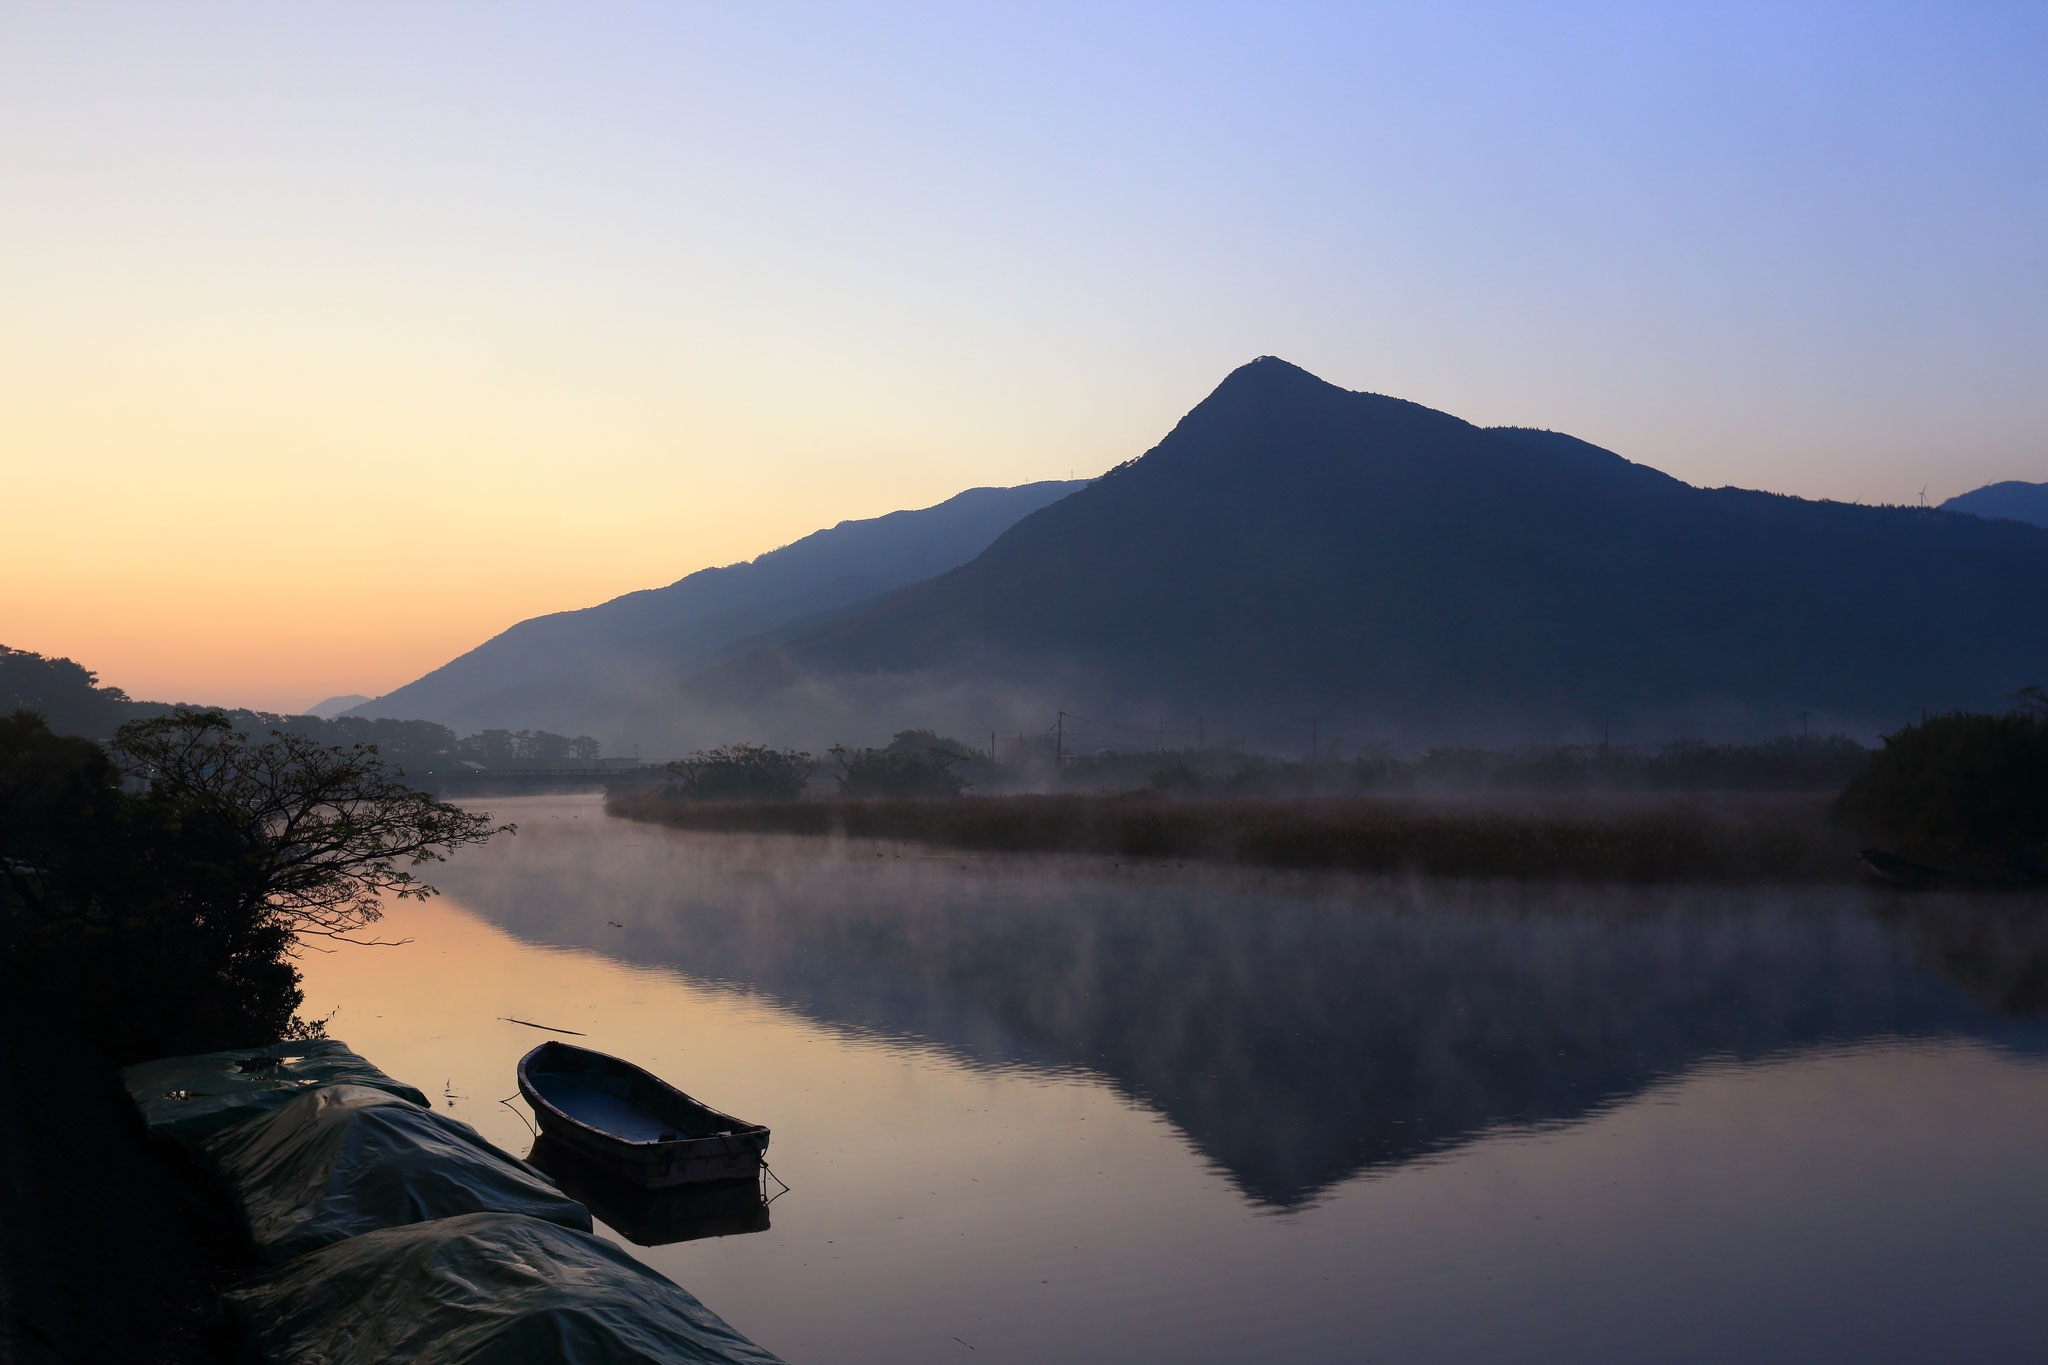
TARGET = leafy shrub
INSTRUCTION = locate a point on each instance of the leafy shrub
(161, 916)
(117, 918)
(1179, 777)
(976, 769)
(1965, 791)
(905, 772)
(742, 772)
(526, 749)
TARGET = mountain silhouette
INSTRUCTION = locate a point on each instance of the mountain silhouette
(605, 667)
(335, 706)
(1292, 547)
(2011, 500)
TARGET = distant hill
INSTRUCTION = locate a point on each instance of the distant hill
(66, 694)
(612, 669)
(2012, 500)
(334, 706)
(1293, 549)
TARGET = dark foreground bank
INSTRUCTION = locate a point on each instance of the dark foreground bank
(1736, 838)
(111, 1250)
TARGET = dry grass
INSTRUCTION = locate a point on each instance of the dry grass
(1727, 839)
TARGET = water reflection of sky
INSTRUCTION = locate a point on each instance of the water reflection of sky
(1074, 1110)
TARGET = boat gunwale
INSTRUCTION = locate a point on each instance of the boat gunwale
(547, 1110)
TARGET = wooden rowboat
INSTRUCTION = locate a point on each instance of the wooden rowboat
(632, 1124)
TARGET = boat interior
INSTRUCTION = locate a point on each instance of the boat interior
(623, 1102)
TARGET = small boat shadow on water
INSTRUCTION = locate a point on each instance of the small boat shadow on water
(650, 1218)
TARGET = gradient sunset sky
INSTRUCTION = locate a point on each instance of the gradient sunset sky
(338, 337)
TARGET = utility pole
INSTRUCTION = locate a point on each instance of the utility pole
(1059, 741)
(1313, 721)
(1159, 744)
(991, 746)
(1201, 732)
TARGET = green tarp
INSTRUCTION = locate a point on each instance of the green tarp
(345, 1160)
(186, 1098)
(481, 1289)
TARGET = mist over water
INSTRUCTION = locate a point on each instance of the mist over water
(1065, 1108)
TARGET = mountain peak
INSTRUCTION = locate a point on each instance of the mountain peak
(1293, 547)
(1270, 411)
(1269, 374)
(1256, 395)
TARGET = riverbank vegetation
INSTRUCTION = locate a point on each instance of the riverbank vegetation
(1965, 792)
(154, 890)
(1793, 763)
(69, 697)
(1685, 812)
(742, 772)
(922, 763)
(1762, 838)
(916, 763)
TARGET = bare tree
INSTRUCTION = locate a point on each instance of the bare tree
(309, 836)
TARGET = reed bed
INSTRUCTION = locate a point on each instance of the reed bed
(1736, 838)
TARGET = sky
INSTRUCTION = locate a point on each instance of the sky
(335, 338)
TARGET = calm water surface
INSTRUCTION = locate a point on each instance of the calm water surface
(1060, 1109)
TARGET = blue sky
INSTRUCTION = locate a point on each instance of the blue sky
(677, 284)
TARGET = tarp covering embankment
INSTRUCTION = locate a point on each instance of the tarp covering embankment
(480, 1289)
(344, 1160)
(185, 1099)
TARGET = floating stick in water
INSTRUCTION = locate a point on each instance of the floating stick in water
(549, 1027)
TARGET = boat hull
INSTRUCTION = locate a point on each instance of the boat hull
(707, 1145)
(656, 1169)
(682, 1213)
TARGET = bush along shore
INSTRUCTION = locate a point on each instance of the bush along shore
(1748, 838)
(1958, 799)
(153, 894)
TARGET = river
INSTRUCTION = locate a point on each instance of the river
(1035, 1108)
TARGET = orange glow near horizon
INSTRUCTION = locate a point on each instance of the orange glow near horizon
(338, 339)
(190, 549)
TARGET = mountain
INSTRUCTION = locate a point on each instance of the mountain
(2012, 500)
(611, 669)
(334, 706)
(1293, 549)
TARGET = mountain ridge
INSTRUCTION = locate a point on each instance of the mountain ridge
(1294, 547)
(504, 680)
(2012, 500)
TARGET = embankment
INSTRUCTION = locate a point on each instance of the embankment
(110, 1248)
(1733, 838)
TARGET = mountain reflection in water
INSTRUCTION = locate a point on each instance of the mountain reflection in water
(1298, 1029)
